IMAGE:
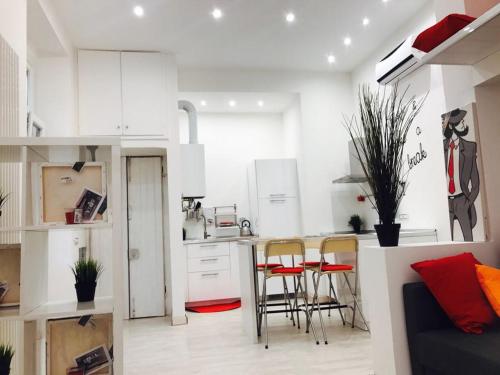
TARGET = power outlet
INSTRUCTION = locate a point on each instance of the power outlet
(82, 253)
(404, 216)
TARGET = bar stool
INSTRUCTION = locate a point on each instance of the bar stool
(283, 247)
(335, 245)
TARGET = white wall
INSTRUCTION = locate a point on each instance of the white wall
(324, 97)
(232, 141)
(13, 30)
(425, 202)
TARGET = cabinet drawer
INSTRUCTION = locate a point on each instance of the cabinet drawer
(209, 285)
(212, 249)
(208, 264)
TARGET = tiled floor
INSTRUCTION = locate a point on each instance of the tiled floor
(214, 344)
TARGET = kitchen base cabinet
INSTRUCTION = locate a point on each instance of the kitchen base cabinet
(212, 271)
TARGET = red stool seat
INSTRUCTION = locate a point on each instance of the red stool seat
(312, 264)
(295, 270)
(336, 267)
(269, 265)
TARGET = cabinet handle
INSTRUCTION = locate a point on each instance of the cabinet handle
(126, 126)
(209, 260)
(277, 195)
(278, 200)
(209, 245)
(210, 274)
(118, 126)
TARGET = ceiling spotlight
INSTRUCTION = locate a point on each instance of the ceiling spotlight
(217, 13)
(260, 103)
(385, 1)
(139, 11)
(203, 103)
(290, 17)
(347, 41)
(232, 103)
(331, 59)
(366, 21)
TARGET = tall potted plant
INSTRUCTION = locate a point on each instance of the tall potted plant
(379, 134)
(6, 355)
(3, 200)
(86, 273)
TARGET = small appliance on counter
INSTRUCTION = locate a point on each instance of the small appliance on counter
(245, 228)
(226, 221)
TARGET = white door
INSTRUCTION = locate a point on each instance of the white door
(279, 217)
(145, 237)
(99, 87)
(144, 89)
(276, 178)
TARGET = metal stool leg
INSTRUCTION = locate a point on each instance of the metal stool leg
(308, 312)
(356, 304)
(265, 313)
(336, 298)
(288, 303)
(316, 297)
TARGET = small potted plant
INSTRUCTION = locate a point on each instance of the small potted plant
(86, 273)
(379, 134)
(3, 200)
(355, 222)
(6, 354)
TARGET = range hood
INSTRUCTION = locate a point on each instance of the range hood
(357, 175)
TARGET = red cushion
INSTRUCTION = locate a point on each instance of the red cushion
(311, 264)
(288, 270)
(269, 265)
(453, 281)
(432, 37)
(336, 267)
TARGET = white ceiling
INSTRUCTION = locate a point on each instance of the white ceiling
(244, 102)
(251, 34)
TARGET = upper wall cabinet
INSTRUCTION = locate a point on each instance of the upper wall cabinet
(122, 93)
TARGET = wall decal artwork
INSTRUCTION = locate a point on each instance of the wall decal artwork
(463, 177)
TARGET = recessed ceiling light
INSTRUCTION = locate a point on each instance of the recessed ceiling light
(260, 103)
(347, 41)
(217, 13)
(232, 103)
(139, 11)
(290, 17)
(366, 21)
(203, 103)
(385, 1)
(331, 59)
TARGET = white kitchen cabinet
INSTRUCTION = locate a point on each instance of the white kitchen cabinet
(100, 97)
(122, 93)
(144, 93)
(212, 271)
(276, 178)
(208, 285)
(279, 217)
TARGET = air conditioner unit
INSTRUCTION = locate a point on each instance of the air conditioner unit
(403, 60)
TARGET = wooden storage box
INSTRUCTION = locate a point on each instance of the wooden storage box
(66, 339)
(60, 187)
(10, 270)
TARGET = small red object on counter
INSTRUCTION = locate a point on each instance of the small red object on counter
(70, 217)
(361, 198)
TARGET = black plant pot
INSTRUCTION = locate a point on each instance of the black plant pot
(4, 369)
(85, 292)
(356, 229)
(388, 234)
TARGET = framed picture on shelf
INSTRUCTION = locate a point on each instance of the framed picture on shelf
(94, 360)
(62, 186)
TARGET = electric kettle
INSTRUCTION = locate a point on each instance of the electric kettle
(245, 228)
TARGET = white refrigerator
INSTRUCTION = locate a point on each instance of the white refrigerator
(274, 198)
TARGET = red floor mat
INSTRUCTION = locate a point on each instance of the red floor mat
(215, 308)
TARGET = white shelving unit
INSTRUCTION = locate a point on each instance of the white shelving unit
(37, 306)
